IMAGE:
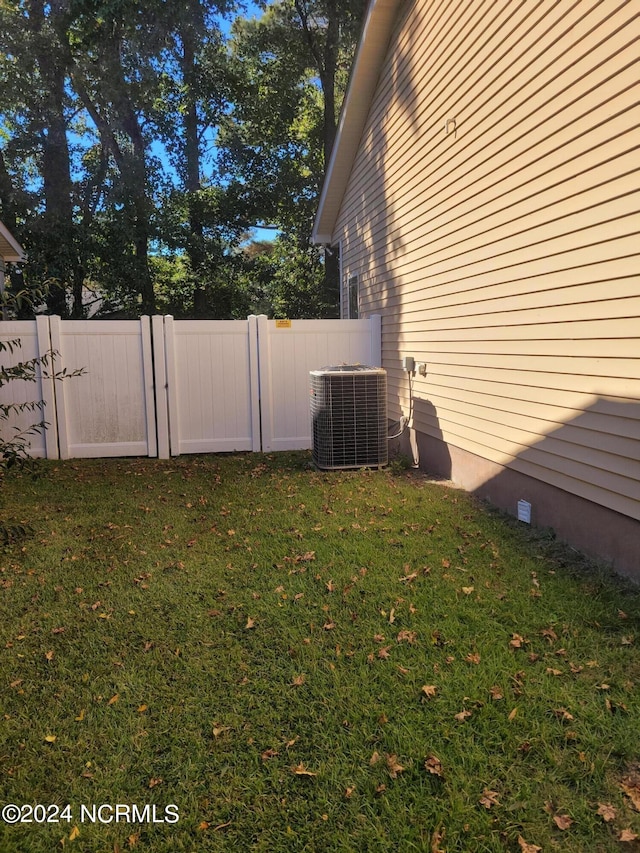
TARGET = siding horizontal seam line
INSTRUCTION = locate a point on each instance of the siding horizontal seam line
(518, 264)
(523, 217)
(421, 82)
(388, 279)
(539, 368)
(481, 176)
(552, 100)
(632, 481)
(561, 288)
(554, 425)
(425, 219)
(401, 159)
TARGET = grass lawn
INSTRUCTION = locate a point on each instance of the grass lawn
(290, 660)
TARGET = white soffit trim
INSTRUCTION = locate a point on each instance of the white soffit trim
(10, 249)
(370, 55)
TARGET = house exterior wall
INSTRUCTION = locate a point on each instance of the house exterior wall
(492, 215)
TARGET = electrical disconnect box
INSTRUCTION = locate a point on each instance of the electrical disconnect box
(408, 363)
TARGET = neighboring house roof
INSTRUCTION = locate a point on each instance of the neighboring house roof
(10, 249)
(370, 55)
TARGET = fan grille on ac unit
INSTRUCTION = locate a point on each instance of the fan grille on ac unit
(349, 416)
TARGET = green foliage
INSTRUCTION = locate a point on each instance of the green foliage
(15, 440)
(127, 139)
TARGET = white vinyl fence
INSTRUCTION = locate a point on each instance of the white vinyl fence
(160, 387)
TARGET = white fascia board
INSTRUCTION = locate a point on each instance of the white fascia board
(10, 249)
(369, 58)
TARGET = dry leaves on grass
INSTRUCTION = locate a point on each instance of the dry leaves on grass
(562, 821)
(627, 835)
(607, 812)
(429, 690)
(406, 636)
(630, 784)
(301, 770)
(489, 798)
(526, 847)
(434, 766)
(393, 765)
(462, 716)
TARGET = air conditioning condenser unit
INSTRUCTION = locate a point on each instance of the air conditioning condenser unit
(349, 416)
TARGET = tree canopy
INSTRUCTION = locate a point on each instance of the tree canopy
(142, 143)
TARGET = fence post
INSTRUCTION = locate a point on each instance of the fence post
(49, 413)
(160, 383)
(172, 389)
(375, 322)
(147, 370)
(254, 384)
(61, 407)
(266, 401)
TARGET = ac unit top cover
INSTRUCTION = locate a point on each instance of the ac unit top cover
(347, 368)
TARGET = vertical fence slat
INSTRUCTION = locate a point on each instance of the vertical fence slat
(61, 402)
(376, 340)
(147, 367)
(254, 388)
(50, 414)
(160, 381)
(172, 389)
(264, 364)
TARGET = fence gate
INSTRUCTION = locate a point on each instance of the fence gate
(159, 386)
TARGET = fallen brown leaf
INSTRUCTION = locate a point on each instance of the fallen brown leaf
(393, 766)
(516, 641)
(526, 847)
(473, 658)
(374, 759)
(218, 730)
(300, 770)
(462, 716)
(251, 623)
(468, 589)
(153, 782)
(606, 812)
(429, 690)
(406, 636)
(563, 714)
(562, 821)
(268, 753)
(630, 784)
(299, 680)
(489, 798)
(496, 693)
(627, 835)
(433, 765)
(436, 838)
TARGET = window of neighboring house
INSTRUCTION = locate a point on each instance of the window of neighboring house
(353, 296)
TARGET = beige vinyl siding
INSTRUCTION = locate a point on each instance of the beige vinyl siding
(506, 254)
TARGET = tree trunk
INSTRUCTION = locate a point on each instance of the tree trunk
(58, 237)
(195, 245)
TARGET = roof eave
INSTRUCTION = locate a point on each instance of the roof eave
(369, 58)
(10, 249)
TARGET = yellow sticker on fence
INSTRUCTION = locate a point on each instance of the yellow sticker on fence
(283, 324)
